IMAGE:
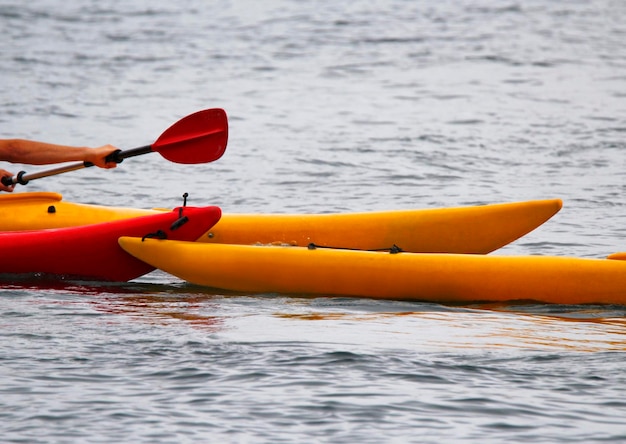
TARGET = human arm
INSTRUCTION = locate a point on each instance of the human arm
(41, 153)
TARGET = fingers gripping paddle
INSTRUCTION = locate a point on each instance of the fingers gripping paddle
(200, 137)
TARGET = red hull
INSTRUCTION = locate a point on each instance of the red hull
(92, 252)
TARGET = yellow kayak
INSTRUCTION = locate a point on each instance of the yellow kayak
(43, 210)
(401, 276)
(471, 229)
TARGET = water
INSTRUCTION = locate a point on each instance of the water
(332, 107)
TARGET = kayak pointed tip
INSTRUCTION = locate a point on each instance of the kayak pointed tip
(619, 256)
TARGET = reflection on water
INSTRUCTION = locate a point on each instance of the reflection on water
(582, 328)
(162, 309)
(482, 330)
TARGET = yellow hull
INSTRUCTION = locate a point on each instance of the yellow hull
(472, 229)
(42, 210)
(402, 276)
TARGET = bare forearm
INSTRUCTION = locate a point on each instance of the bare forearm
(41, 153)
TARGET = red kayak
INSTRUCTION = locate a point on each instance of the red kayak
(91, 252)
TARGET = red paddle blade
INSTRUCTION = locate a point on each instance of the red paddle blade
(200, 137)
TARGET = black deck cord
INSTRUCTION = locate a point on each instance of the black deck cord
(182, 220)
(160, 234)
(393, 250)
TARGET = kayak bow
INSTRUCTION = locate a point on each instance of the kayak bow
(91, 252)
(470, 229)
(402, 276)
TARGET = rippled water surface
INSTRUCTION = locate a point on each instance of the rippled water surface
(332, 107)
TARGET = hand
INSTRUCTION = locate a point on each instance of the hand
(97, 156)
(3, 187)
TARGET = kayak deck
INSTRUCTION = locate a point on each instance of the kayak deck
(475, 229)
(402, 276)
(91, 252)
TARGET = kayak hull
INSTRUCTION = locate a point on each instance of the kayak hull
(91, 252)
(472, 229)
(447, 278)
(44, 210)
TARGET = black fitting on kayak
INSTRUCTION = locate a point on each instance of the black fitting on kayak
(52, 209)
(180, 209)
(395, 249)
(179, 223)
(160, 234)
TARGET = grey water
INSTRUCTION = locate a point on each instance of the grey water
(333, 107)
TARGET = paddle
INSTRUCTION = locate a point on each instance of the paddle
(200, 137)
